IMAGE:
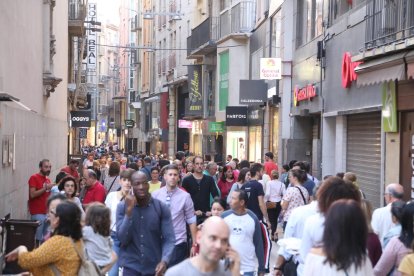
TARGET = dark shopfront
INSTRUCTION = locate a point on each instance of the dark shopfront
(405, 103)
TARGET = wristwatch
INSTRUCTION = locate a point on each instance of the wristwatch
(277, 268)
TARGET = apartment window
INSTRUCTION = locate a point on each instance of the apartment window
(338, 8)
(309, 20)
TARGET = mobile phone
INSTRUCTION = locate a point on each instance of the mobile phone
(227, 263)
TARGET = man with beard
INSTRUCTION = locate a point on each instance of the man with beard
(39, 191)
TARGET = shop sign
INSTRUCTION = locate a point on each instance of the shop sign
(185, 124)
(215, 126)
(236, 116)
(302, 94)
(91, 41)
(348, 70)
(389, 107)
(254, 116)
(195, 92)
(270, 68)
(80, 118)
(253, 92)
(129, 123)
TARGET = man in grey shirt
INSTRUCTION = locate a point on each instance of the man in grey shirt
(213, 240)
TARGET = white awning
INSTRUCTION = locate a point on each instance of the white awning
(381, 70)
(136, 105)
(152, 99)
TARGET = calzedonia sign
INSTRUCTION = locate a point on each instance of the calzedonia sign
(302, 94)
(80, 118)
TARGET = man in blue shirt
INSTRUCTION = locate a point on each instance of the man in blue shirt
(145, 230)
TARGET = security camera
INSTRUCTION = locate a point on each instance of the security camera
(171, 114)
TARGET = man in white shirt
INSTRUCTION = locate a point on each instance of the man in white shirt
(381, 218)
(245, 234)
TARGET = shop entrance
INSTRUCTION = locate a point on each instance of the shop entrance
(407, 154)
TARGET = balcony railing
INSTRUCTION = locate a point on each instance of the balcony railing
(206, 32)
(239, 19)
(388, 21)
(77, 10)
(135, 23)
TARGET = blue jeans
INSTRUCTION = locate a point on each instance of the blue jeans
(115, 268)
(42, 228)
(130, 272)
(180, 253)
(251, 273)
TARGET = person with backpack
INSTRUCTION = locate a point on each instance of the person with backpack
(147, 167)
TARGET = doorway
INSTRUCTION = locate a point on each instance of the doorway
(407, 153)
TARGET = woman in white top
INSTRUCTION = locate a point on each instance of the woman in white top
(344, 249)
(244, 177)
(273, 196)
(112, 200)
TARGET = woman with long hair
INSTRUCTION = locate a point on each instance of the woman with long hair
(244, 177)
(60, 252)
(398, 247)
(344, 243)
(273, 196)
(111, 182)
(226, 181)
(296, 195)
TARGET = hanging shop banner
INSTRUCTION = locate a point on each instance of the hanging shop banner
(253, 92)
(389, 107)
(215, 126)
(129, 123)
(195, 93)
(254, 116)
(80, 118)
(303, 94)
(224, 81)
(348, 70)
(185, 124)
(92, 38)
(270, 68)
(236, 116)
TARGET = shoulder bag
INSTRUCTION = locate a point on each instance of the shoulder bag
(304, 200)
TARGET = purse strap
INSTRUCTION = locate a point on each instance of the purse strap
(110, 187)
(81, 256)
(304, 200)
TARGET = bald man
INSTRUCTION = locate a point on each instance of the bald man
(214, 245)
(382, 218)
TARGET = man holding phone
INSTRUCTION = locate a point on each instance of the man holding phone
(145, 230)
(214, 245)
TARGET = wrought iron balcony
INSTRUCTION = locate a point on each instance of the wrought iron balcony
(77, 14)
(238, 19)
(203, 38)
(388, 21)
(135, 23)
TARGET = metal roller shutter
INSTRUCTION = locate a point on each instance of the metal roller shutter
(364, 153)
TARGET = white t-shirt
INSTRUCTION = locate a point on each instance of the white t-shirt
(382, 221)
(111, 202)
(274, 191)
(245, 238)
(315, 265)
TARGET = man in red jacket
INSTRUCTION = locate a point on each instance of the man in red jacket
(39, 191)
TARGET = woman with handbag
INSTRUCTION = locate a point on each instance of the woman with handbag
(273, 196)
(60, 252)
(296, 195)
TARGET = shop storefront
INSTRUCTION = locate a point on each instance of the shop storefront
(236, 131)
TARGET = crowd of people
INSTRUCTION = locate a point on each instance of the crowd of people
(132, 214)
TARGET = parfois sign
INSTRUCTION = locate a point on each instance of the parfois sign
(305, 93)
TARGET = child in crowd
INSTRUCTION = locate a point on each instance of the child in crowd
(98, 243)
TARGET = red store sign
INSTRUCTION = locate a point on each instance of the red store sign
(348, 70)
(301, 94)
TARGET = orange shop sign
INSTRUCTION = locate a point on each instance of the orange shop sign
(301, 94)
